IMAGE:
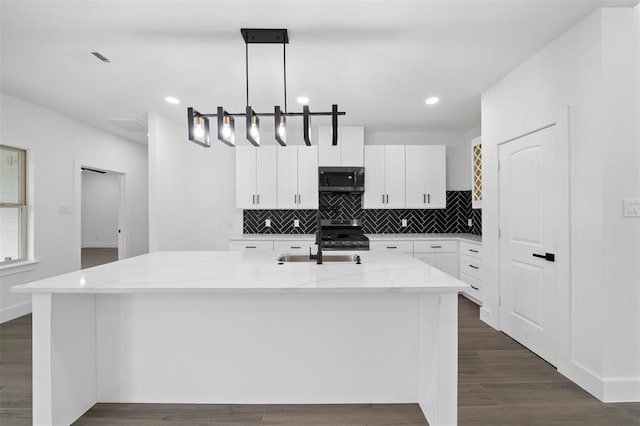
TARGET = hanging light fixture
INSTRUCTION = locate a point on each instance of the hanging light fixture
(199, 123)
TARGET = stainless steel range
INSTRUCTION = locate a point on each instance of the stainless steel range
(342, 234)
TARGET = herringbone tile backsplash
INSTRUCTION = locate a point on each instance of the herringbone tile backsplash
(379, 221)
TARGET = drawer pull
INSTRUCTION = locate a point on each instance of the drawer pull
(392, 247)
(474, 267)
(473, 251)
(250, 247)
(436, 246)
(295, 247)
(474, 287)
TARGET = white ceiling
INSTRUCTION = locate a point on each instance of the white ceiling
(378, 60)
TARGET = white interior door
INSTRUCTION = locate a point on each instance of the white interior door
(528, 283)
(307, 177)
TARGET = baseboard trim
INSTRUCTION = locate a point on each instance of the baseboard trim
(488, 317)
(13, 312)
(99, 245)
(606, 390)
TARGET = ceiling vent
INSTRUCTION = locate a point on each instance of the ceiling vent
(101, 57)
(129, 124)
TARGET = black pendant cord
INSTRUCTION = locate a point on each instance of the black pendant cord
(284, 56)
(246, 68)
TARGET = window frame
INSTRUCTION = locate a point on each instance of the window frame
(21, 205)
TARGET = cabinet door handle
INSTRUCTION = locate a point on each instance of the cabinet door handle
(295, 199)
(387, 198)
(249, 246)
(436, 246)
(428, 198)
(474, 267)
(295, 247)
(258, 198)
(299, 199)
(473, 251)
(254, 199)
(424, 198)
(474, 287)
(382, 198)
(392, 247)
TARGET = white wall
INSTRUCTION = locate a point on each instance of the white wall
(57, 146)
(191, 191)
(458, 151)
(100, 203)
(592, 69)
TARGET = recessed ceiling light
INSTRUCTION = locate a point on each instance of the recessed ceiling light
(303, 100)
(432, 100)
(172, 100)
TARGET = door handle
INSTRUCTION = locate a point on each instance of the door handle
(382, 198)
(424, 198)
(392, 247)
(253, 199)
(474, 267)
(474, 287)
(387, 198)
(428, 198)
(550, 257)
(299, 198)
(436, 246)
(258, 198)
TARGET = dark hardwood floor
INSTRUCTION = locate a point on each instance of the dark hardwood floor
(500, 383)
(91, 256)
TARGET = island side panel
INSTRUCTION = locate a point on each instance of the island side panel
(438, 358)
(258, 348)
(64, 357)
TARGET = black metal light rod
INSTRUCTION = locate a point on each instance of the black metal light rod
(271, 114)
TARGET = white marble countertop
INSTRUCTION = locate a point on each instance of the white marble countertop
(238, 272)
(372, 237)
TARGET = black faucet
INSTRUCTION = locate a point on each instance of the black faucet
(318, 255)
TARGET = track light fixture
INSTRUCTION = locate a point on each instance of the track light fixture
(199, 123)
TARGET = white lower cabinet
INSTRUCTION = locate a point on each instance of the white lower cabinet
(248, 245)
(440, 254)
(294, 246)
(397, 246)
(471, 269)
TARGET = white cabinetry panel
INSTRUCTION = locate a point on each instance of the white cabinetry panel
(350, 149)
(307, 177)
(374, 179)
(426, 184)
(287, 177)
(246, 177)
(394, 176)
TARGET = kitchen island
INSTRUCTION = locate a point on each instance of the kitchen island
(232, 327)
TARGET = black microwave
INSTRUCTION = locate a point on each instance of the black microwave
(341, 179)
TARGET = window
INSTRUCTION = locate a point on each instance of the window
(13, 205)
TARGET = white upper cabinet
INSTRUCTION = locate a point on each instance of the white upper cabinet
(297, 177)
(426, 185)
(307, 177)
(384, 171)
(256, 177)
(350, 149)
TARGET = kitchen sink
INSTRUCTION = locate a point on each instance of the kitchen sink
(325, 258)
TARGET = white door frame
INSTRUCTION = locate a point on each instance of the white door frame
(77, 209)
(563, 241)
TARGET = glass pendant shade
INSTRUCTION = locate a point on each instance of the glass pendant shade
(198, 126)
(226, 127)
(253, 126)
(280, 122)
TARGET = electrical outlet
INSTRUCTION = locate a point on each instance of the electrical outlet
(404, 223)
(296, 223)
(631, 207)
(469, 223)
(267, 223)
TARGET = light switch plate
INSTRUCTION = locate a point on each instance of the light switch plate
(469, 223)
(296, 223)
(267, 223)
(631, 207)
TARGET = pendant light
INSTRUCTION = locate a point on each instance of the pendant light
(199, 123)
